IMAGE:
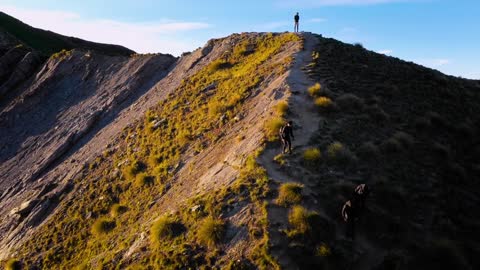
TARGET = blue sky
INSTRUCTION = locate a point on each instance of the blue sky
(442, 34)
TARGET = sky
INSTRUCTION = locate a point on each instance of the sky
(441, 34)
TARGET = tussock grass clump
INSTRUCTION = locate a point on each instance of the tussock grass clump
(323, 102)
(405, 139)
(350, 102)
(272, 127)
(211, 231)
(289, 194)
(391, 145)
(133, 169)
(315, 90)
(368, 151)
(103, 226)
(323, 250)
(219, 64)
(280, 159)
(339, 154)
(312, 155)
(301, 220)
(143, 179)
(13, 264)
(118, 209)
(281, 108)
(165, 228)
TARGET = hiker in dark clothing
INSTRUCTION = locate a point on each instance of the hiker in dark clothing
(297, 19)
(286, 134)
(360, 194)
(349, 216)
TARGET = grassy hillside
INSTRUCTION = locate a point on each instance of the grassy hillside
(411, 134)
(48, 42)
(116, 207)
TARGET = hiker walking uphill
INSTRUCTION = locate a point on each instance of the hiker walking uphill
(360, 194)
(296, 18)
(349, 215)
(286, 135)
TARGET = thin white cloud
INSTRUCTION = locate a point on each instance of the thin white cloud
(434, 62)
(317, 20)
(142, 37)
(386, 52)
(320, 3)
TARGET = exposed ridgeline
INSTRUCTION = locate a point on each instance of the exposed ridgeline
(171, 180)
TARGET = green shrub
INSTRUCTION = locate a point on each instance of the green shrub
(272, 128)
(165, 228)
(211, 231)
(349, 102)
(281, 108)
(405, 139)
(368, 151)
(391, 145)
(133, 169)
(280, 159)
(117, 210)
(301, 221)
(13, 264)
(315, 90)
(312, 155)
(325, 103)
(219, 64)
(289, 194)
(143, 179)
(339, 154)
(102, 226)
(323, 250)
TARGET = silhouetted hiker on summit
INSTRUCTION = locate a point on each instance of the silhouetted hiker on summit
(297, 19)
(286, 134)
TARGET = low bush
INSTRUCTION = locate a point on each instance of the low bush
(312, 155)
(315, 90)
(219, 64)
(211, 231)
(133, 169)
(13, 264)
(391, 145)
(165, 228)
(337, 153)
(323, 250)
(281, 108)
(289, 194)
(143, 179)
(350, 102)
(102, 226)
(301, 220)
(117, 210)
(368, 150)
(323, 102)
(405, 139)
(272, 128)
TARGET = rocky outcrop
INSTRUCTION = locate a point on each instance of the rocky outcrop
(22, 71)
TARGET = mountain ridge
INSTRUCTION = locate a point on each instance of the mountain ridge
(146, 161)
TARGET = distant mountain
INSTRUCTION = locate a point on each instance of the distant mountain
(48, 42)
